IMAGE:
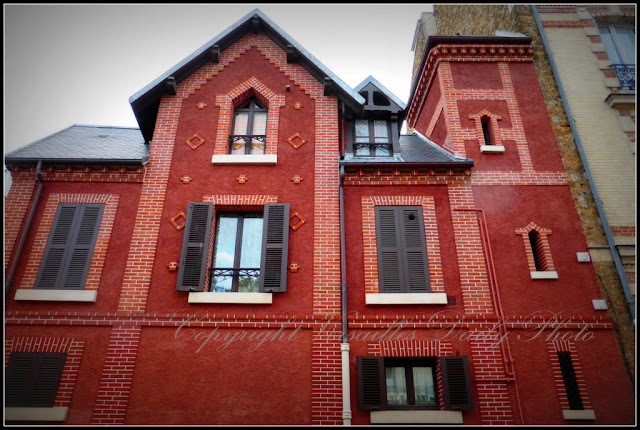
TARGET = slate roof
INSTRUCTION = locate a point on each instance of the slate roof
(85, 144)
(415, 148)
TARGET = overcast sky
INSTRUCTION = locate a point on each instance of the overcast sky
(79, 64)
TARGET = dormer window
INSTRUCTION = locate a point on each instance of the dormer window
(372, 138)
(249, 129)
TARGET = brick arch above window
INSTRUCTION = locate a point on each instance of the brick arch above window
(540, 251)
(252, 87)
(490, 121)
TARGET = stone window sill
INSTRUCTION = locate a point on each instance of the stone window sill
(229, 298)
(544, 275)
(244, 159)
(586, 414)
(492, 149)
(416, 417)
(35, 414)
(57, 295)
(406, 299)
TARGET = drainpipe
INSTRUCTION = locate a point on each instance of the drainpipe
(25, 231)
(344, 346)
(603, 216)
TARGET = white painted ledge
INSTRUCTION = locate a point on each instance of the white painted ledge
(244, 159)
(586, 414)
(57, 295)
(416, 417)
(35, 414)
(544, 275)
(244, 298)
(495, 149)
(406, 299)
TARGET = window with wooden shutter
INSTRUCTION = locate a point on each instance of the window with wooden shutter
(402, 250)
(67, 256)
(192, 270)
(32, 379)
(456, 383)
(275, 248)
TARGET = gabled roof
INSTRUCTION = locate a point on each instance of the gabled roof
(415, 149)
(146, 101)
(371, 80)
(85, 144)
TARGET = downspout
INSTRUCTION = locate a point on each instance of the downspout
(587, 169)
(25, 231)
(344, 346)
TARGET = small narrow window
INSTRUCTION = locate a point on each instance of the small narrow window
(486, 123)
(538, 254)
(570, 381)
(249, 129)
(373, 138)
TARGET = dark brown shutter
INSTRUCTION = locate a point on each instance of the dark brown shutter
(32, 379)
(275, 248)
(372, 389)
(67, 256)
(456, 383)
(415, 251)
(390, 271)
(192, 270)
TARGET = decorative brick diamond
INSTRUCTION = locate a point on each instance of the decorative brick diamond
(300, 222)
(296, 140)
(197, 137)
(175, 219)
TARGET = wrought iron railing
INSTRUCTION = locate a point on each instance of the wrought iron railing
(237, 275)
(251, 141)
(626, 74)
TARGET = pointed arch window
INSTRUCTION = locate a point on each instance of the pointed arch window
(249, 128)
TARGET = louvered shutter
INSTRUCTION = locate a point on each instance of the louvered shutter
(390, 267)
(32, 379)
(67, 256)
(192, 270)
(275, 248)
(415, 250)
(372, 390)
(456, 383)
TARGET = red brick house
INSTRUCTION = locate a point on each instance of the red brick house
(267, 248)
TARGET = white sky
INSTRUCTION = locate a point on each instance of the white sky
(79, 64)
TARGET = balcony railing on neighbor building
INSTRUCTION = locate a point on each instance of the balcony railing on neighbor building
(626, 74)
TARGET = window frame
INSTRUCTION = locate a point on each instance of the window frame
(372, 144)
(239, 235)
(251, 107)
(409, 363)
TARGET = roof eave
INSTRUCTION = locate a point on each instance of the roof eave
(77, 161)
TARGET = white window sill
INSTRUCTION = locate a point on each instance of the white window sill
(35, 414)
(496, 149)
(544, 275)
(57, 295)
(244, 298)
(406, 299)
(244, 159)
(586, 414)
(416, 417)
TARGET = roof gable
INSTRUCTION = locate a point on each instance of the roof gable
(145, 102)
(371, 83)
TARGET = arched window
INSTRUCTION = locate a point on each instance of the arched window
(249, 128)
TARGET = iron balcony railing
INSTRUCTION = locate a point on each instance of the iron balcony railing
(245, 277)
(251, 143)
(626, 74)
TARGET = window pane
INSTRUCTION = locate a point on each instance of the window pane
(396, 386)
(225, 247)
(362, 130)
(382, 150)
(626, 42)
(423, 386)
(251, 243)
(241, 121)
(259, 124)
(361, 149)
(381, 131)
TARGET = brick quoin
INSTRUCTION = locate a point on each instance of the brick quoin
(15, 209)
(117, 375)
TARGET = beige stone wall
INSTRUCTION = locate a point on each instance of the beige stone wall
(485, 20)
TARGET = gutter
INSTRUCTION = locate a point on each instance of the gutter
(344, 346)
(587, 169)
(25, 231)
(83, 161)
